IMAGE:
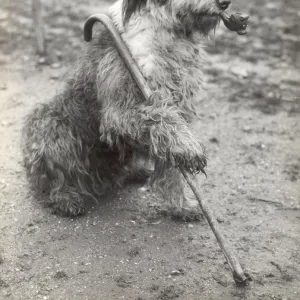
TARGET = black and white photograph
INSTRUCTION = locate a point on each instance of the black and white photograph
(150, 150)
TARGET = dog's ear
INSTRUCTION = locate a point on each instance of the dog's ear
(130, 7)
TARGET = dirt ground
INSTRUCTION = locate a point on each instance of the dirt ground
(122, 249)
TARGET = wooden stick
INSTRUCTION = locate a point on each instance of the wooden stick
(38, 24)
(122, 49)
(238, 274)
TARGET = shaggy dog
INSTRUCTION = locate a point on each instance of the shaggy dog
(99, 131)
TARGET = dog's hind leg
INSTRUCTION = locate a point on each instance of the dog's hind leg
(58, 161)
(173, 190)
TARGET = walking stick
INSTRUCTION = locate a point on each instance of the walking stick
(239, 276)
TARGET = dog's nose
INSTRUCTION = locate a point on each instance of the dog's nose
(223, 4)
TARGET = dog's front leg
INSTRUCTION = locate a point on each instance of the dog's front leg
(160, 131)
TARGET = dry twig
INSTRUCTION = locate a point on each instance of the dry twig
(38, 24)
(251, 198)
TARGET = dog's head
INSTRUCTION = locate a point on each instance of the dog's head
(182, 15)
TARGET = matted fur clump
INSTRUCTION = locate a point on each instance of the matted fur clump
(95, 134)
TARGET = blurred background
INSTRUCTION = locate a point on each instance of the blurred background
(270, 50)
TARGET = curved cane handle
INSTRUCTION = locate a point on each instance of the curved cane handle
(122, 49)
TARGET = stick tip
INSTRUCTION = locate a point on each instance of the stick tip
(242, 279)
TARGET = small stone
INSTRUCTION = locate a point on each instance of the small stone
(59, 54)
(54, 77)
(221, 279)
(56, 66)
(220, 220)
(190, 238)
(60, 275)
(214, 140)
(247, 129)
(134, 252)
(240, 71)
(176, 272)
(42, 61)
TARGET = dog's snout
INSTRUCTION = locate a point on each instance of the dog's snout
(223, 4)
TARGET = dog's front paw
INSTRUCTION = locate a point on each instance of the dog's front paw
(196, 164)
(192, 160)
(181, 208)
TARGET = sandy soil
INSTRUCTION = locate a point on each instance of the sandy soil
(122, 249)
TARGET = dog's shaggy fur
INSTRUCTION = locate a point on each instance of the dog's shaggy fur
(89, 138)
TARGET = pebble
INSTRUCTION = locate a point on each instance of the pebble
(240, 71)
(59, 54)
(190, 238)
(247, 129)
(220, 220)
(56, 66)
(54, 77)
(42, 61)
(176, 273)
(214, 140)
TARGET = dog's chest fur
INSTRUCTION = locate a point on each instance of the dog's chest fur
(171, 64)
